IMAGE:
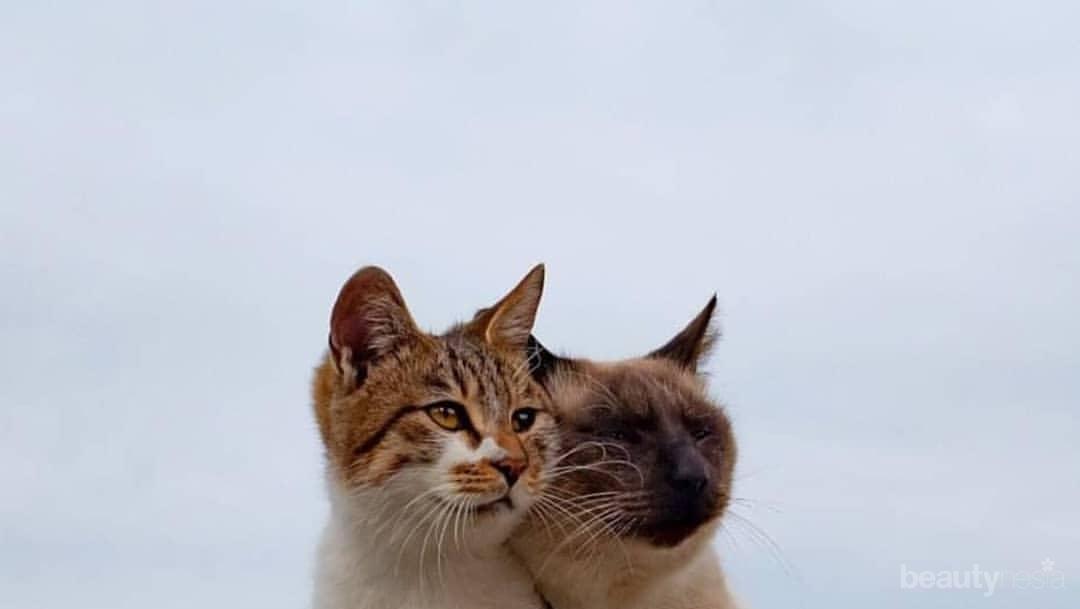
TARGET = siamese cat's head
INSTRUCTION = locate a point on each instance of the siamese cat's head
(645, 449)
(431, 430)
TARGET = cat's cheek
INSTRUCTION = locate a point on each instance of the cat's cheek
(455, 450)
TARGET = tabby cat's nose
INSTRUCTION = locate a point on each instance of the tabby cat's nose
(510, 469)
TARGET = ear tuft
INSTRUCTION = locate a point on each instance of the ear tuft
(368, 321)
(508, 322)
(690, 347)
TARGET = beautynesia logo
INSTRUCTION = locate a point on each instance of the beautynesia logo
(1046, 577)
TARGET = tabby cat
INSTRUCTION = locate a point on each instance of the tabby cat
(436, 448)
(629, 514)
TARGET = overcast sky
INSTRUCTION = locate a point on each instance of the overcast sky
(884, 195)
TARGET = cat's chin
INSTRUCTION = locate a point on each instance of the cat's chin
(675, 537)
(513, 504)
(671, 535)
(494, 521)
(494, 507)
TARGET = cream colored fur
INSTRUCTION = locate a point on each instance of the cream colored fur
(624, 574)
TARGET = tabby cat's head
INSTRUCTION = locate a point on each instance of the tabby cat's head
(644, 445)
(422, 424)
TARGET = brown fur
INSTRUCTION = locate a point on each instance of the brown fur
(421, 431)
(479, 365)
(619, 415)
(449, 367)
(644, 478)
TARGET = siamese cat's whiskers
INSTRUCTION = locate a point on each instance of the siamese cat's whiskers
(755, 504)
(557, 492)
(584, 528)
(616, 532)
(580, 512)
(597, 467)
(573, 451)
(604, 445)
(604, 526)
(627, 526)
(547, 511)
(599, 513)
(763, 540)
(582, 501)
(604, 460)
(586, 506)
(728, 534)
(631, 501)
(580, 515)
(561, 512)
(646, 431)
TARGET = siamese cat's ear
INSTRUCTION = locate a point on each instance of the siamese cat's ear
(369, 320)
(542, 363)
(507, 323)
(690, 347)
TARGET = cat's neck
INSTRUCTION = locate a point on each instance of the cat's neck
(396, 543)
(371, 557)
(617, 574)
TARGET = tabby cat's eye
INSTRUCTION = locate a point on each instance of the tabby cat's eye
(522, 419)
(448, 415)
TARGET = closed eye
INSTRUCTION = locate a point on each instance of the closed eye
(618, 434)
(700, 428)
(701, 433)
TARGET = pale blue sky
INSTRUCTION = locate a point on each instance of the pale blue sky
(884, 196)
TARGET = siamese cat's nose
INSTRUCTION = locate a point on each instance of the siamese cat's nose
(689, 472)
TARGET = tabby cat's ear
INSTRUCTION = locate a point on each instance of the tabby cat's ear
(507, 323)
(369, 320)
(691, 346)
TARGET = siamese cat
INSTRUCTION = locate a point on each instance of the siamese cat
(631, 505)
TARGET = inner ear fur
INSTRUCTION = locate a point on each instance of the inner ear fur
(368, 321)
(691, 346)
(508, 323)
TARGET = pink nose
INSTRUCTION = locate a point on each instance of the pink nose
(510, 468)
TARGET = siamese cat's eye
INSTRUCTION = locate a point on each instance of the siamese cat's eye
(701, 433)
(448, 415)
(522, 419)
(620, 435)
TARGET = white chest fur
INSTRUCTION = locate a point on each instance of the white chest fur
(355, 569)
